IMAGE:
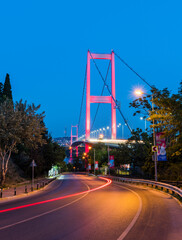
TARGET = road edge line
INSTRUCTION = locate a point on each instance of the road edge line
(132, 223)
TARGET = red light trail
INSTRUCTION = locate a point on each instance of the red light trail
(56, 199)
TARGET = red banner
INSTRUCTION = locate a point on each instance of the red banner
(96, 165)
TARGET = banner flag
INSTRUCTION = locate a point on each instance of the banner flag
(111, 161)
(96, 165)
(89, 166)
(161, 143)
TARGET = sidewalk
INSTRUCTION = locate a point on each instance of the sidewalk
(24, 189)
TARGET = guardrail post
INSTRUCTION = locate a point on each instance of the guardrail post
(157, 185)
(14, 191)
(1, 194)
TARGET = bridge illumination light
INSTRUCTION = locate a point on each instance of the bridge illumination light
(101, 136)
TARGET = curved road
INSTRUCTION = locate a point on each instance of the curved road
(117, 211)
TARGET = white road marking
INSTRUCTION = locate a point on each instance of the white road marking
(126, 231)
(45, 213)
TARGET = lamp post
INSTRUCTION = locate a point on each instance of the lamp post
(104, 130)
(94, 160)
(154, 140)
(139, 92)
(108, 155)
(94, 157)
(107, 131)
(122, 131)
(141, 118)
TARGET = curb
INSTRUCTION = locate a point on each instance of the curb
(25, 195)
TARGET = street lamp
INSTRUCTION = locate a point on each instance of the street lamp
(107, 131)
(139, 92)
(94, 158)
(101, 136)
(141, 118)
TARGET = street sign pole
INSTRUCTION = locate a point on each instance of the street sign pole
(108, 159)
(33, 162)
(94, 161)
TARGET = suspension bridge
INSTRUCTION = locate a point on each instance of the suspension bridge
(84, 132)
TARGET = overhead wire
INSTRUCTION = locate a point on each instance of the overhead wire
(101, 95)
(115, 101)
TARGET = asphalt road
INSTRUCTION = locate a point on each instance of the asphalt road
(117, 211)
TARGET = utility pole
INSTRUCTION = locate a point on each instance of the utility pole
(108, 158)
(33, 162)
(154, 141)
(94, 160)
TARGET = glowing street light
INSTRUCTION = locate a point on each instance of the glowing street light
(101, 136)
(139, 92)
(94, 157)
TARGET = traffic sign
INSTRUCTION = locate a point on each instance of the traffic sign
(33, 164)
(154, 148)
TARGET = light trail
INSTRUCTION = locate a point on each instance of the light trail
(56, 199)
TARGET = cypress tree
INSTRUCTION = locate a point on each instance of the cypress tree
(1, 92)
(7, 93)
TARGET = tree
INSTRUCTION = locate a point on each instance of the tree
(167, 117)
(7, 92)
(1, 92)
(19, 123)
(134, 152)
(101, 154)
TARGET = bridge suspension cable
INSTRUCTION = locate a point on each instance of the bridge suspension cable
(116, 102)
(126, 64)
(82, 97)
(101, 94)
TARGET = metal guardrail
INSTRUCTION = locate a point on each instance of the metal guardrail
(158, 185)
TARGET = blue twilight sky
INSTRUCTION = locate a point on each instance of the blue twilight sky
(43, 46)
